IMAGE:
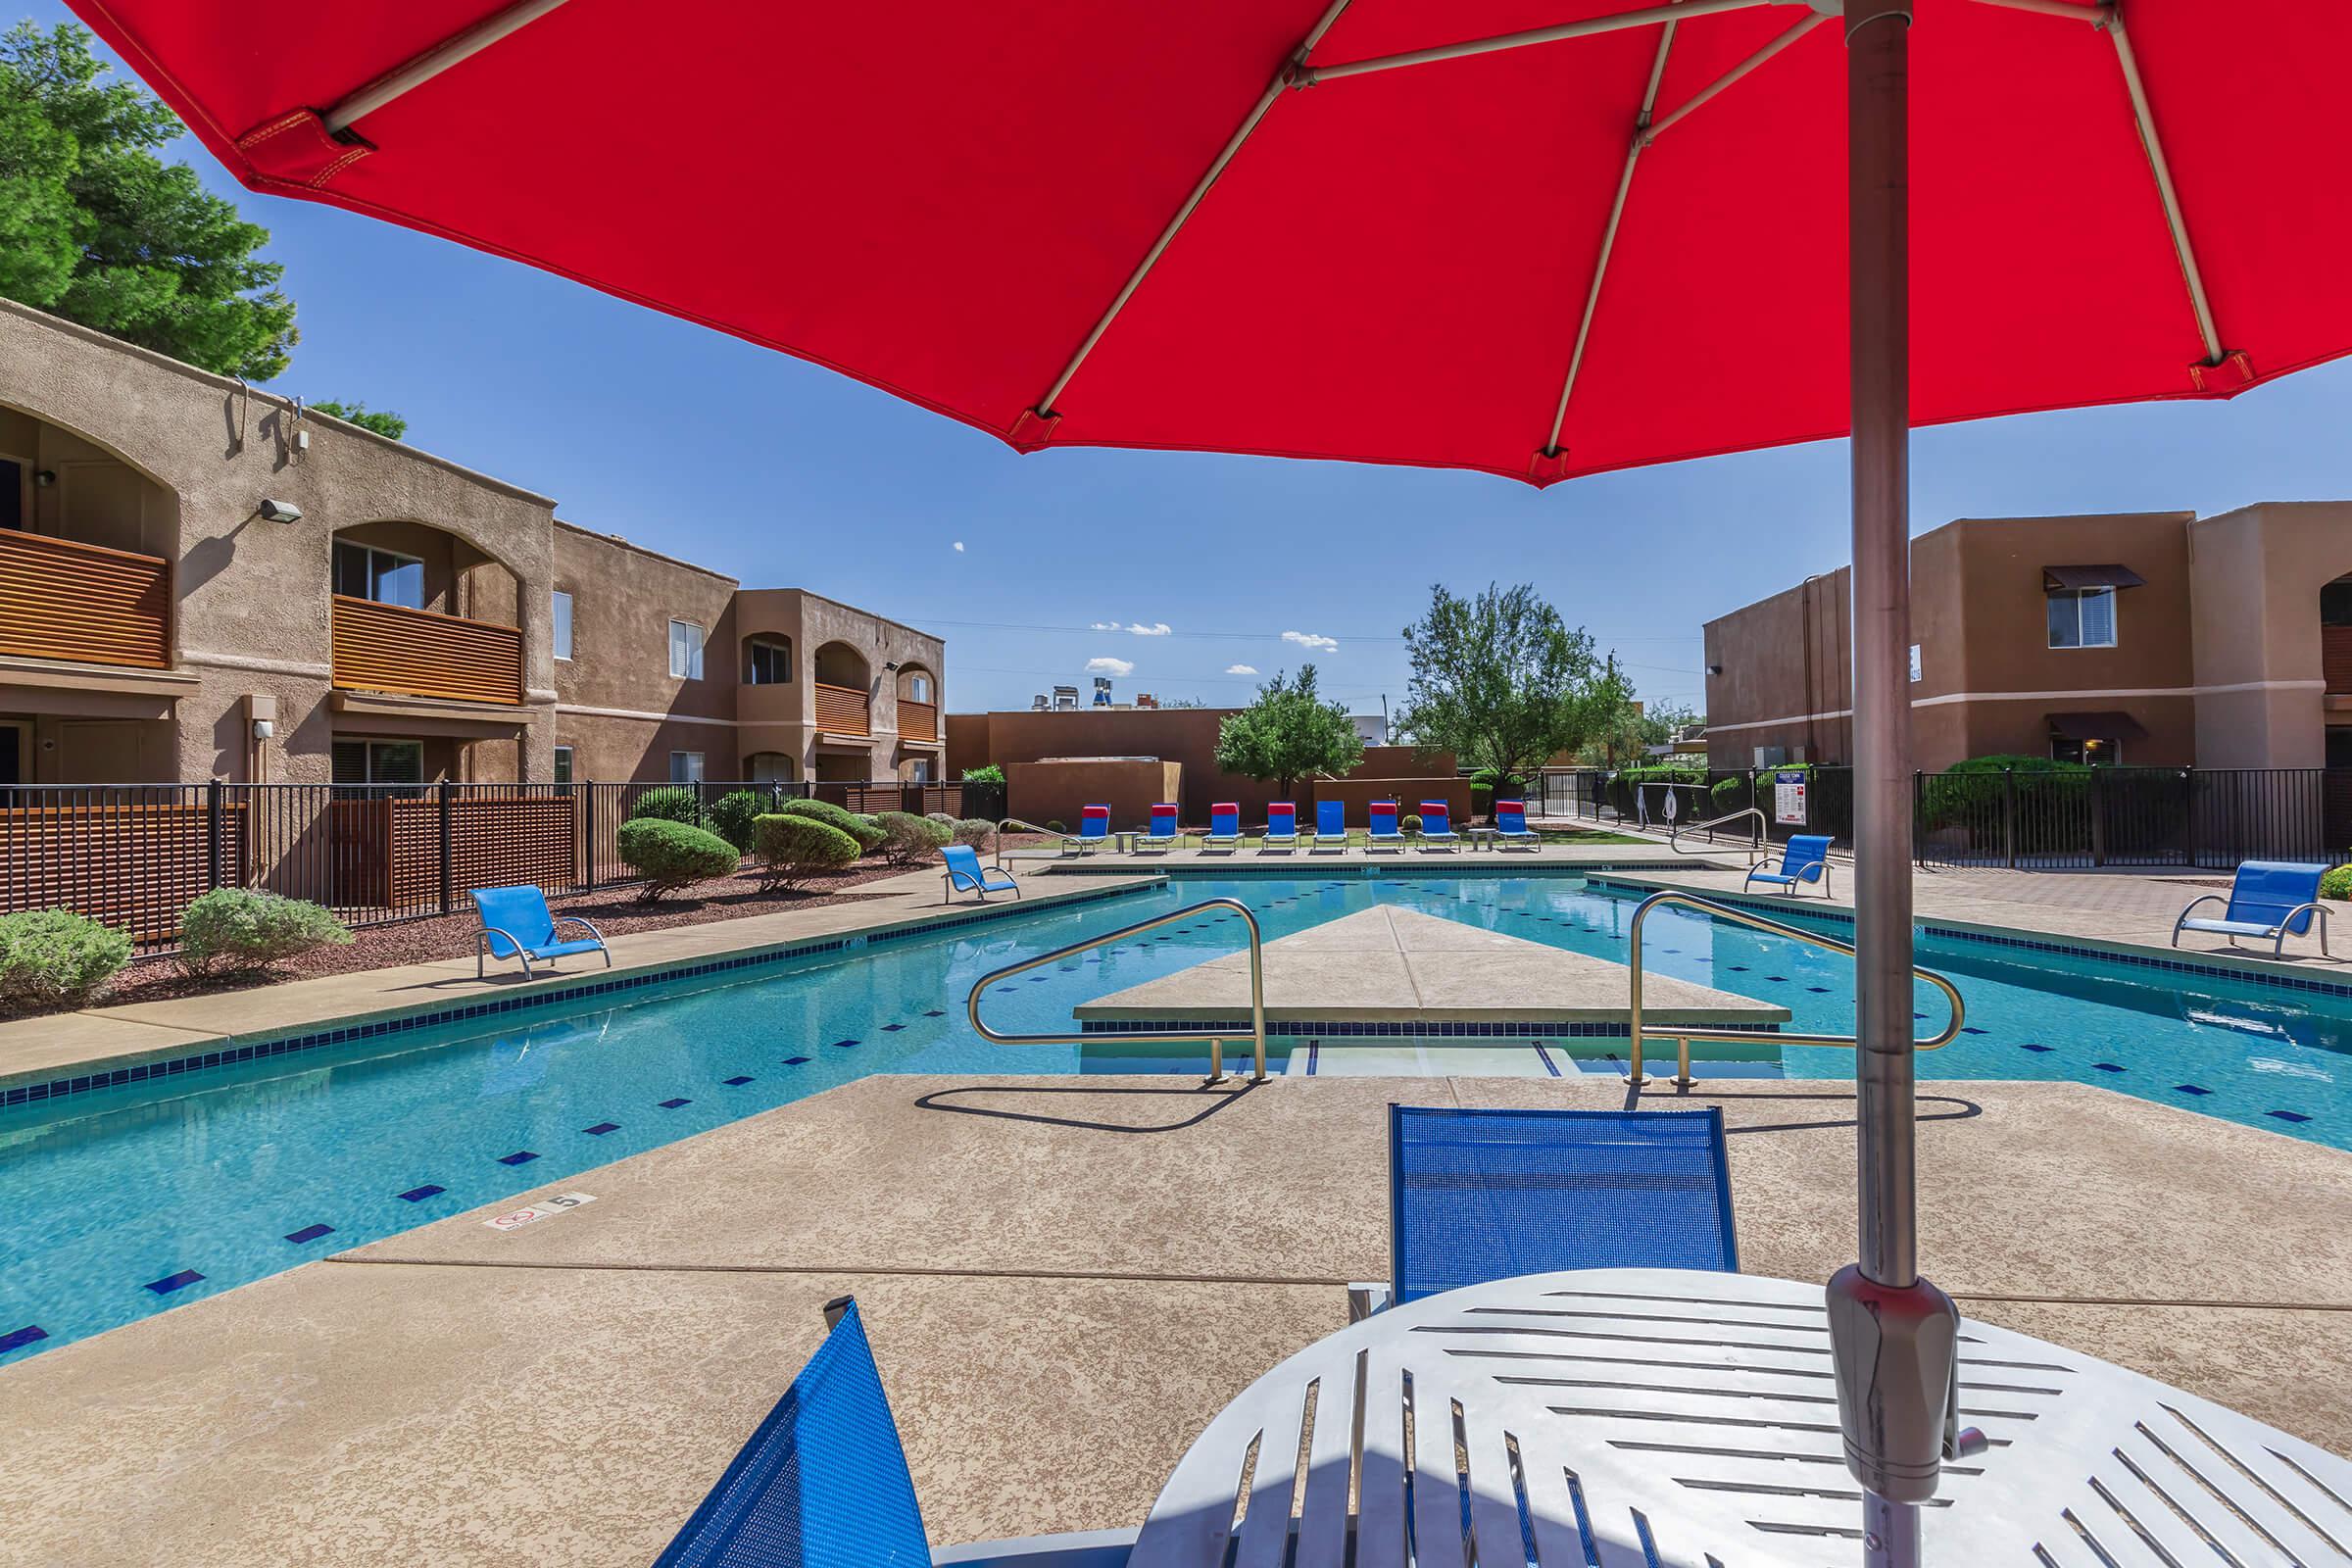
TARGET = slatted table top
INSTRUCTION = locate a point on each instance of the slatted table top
(1578, 1419)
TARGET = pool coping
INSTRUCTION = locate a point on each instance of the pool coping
(144, 1063)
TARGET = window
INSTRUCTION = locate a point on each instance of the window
(769, 664)
(2104, 752)
(918, 688)
(685, 768)
(1917, 669)
(12, 493)
(2083, 617)
(922, 771)
(359, 762)
(559, 621)
(685, 650)
(563, 765)
(361, 573)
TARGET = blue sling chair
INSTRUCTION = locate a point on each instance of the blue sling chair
(1804, 858)
(516, 924)
(2269, 900)
(962, 873)
(1164, 833)
(1331, 825)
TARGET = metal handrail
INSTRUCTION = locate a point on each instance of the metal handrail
(1639, 1031)
(1755, 841)
(1024, 826)
(1216, 1038)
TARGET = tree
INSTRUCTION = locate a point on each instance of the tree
(98, 228)
(1288, 734)
(384, 422)
(1628, 733)
(1503, 682)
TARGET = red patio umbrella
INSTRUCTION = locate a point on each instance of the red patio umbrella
(1539, 238)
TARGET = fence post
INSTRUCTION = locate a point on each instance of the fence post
(2009, 816)
(447, 792)
(212, 835)
(588, 836)
(1919, 818)
(2098, 816)
(2189, 779)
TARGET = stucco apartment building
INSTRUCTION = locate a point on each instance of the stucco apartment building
(198, 580)
(2163, 639)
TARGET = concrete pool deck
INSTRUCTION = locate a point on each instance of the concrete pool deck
(1064, 1279)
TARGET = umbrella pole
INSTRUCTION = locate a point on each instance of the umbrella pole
(1893, 1333)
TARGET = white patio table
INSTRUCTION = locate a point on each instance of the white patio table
(1587, 1415)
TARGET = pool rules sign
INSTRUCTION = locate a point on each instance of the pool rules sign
(1789, 798)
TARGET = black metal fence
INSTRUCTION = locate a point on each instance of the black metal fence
(2078, 819)
(134, 855)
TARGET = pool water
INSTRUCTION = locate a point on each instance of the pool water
(126, 1202)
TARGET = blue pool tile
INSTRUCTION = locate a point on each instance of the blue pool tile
(672, 1104)
(795, 1061)
(17, 1338)
(1778, 979)
(418, 1195)
(892, 1028)
(2288, 1115)
(181, 1281)
(2031, 1045)
(1823, 990)
(736, 1081)
(309, 1233)
(2191, 1089)
(843, 1045)
(602, 1128)
(933, 1012)
(521, 1156)
(1738, 969)
(1969, 1029)
(2108, 1067)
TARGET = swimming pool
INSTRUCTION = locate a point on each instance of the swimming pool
(127, 1201)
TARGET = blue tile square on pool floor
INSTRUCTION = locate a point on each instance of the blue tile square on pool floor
(2191, 1089)
(843, 1045)
(892, 1028)
(175, 1281)
(309, 1233)
(602, 1128)
(418, 1195)
(2030, 1045)
(17, 1338)
(933, 1012)
(672, 1104)
(1823, 990)
(521, 1156)
(795, 1061)
(2107, 1066)
(2288, 1115)
(738, 1081)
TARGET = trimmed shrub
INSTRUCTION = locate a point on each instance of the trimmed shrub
(2336, 884)
(906, 837)
(974, 831)
(1410, 823)
(949, 818)
(793, 846)
(862, 829)
(670, 855)
(671, 802)
(240, 930)
(1054, 825)
(731, 815)
(55, 959)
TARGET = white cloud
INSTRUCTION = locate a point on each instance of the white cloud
(1240, 670)
(959, 546)
(1111, 666)
(1308, 639)
(1158, 629)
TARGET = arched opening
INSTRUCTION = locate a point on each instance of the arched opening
(420, 612)
(768, 659)
(844, 687)
(919, 705)
(771, 767)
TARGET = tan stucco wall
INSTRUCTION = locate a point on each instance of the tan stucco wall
(622, 712)
(1054, 792)
(2256, 621)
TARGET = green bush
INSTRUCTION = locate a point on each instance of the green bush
(974, 831)
(1729, 795)
(1054, 825)
(239, 930)
(948, 818)
(793, 846)
(1973, 792)
(2336, 884)
(671, 802)
(1410, 823)
(670, 855)
(906, 837)
(730, 816)
(862, 829)
(55, 959)
(990, 773)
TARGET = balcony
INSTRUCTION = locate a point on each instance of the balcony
(62, 599)
(918, 722)
(2335, 657)
(421, 652)
(840, 710)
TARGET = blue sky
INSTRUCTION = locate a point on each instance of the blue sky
(786, 475)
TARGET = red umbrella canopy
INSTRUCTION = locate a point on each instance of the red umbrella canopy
(1397, 263)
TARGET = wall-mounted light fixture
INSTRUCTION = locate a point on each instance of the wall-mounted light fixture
(45, 477)
(890, 664)
(264, 728)
(280, 510)
(1714, 670)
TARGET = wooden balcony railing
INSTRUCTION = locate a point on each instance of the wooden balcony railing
(421, 653)
(917, 721)
(841, 709)
(59, 598)
(2335, 657)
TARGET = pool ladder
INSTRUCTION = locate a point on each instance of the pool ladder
(1640, 1032)
(1216, 1038)
(1674, 837)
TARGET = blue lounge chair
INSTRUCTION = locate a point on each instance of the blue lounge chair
(1224, 826)
(1380, 829)
(1094, 829)
(824, 1483)
(1510, 826)
(1282, 827)
(2269, 900)
(1804, 858)
(964, 873)
(1483, 1195)
(516, 924)
(1331, 825)
(1163, 832)
(1437, 826)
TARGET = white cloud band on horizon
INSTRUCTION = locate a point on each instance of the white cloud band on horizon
(1111, 666)
(1311, 640)
(1158, 629)
(1240, 670)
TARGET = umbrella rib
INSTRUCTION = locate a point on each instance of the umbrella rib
(1645, 133)
(1291, 63)
(424, 66)
(1590, 28)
